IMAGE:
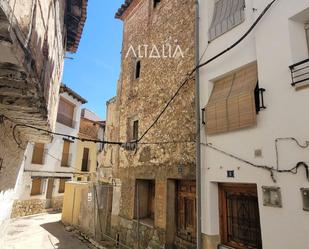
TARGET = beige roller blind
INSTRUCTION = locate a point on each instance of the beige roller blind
(241, 102)
(232, 103)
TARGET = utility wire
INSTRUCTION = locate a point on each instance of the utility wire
(204, 64)
(184, 82)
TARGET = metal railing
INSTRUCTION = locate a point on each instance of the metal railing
(66, 120)
(300, 72)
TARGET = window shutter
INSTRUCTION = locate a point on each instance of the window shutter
(216, 109)
(232, 103)
(227, 15)
(36, 186)
(241, 101)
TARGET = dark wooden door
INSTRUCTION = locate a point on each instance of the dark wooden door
(239, 216)
(186, 210)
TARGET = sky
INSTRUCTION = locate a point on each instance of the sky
(94, 70)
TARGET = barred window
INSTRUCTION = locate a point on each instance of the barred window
(227, 15)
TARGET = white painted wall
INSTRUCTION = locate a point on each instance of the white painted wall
(276, 43)
(52, 166)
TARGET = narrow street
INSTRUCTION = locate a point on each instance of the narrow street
(42, 231)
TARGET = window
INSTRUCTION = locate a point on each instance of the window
(36, 188)
(85, 160)
(135, 130)
(239, 216)
(227, 14)
(66, 113)
(232, 104)
(138, 69)
(155, 3)
(62, 182)
(145, 199)
(38, 154)
(66, 156)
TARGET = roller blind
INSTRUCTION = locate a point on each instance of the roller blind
(227, 15)
(232, 102)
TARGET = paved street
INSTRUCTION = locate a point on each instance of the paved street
(44, 231)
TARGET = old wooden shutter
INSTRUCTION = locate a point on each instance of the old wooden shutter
(36, 186)
(65, 153)
(66, 112)
(62, 185)
(241, 101)
(38, 153)
(216, 109)
(232, 103)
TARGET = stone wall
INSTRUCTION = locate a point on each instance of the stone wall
(35, 206)
(170, 25)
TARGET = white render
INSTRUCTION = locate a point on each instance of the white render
(277, 42)
(52, 159)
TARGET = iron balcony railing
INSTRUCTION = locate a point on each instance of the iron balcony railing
(300, 72)
(66, 160)
(65, 120)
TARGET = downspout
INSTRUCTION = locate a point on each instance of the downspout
(198, 128)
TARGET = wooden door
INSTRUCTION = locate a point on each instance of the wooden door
(186, 210)
(239, 216)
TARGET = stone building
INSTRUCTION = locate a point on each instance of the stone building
(86, 164)
(154, 183)
(47, 166)
(34, 36)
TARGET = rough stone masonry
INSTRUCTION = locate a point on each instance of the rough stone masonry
(164, 25)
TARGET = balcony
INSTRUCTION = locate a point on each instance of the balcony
(300, 73)
(66, 120)
(66, 160)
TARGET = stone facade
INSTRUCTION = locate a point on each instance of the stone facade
(35, 206)
(168, 25)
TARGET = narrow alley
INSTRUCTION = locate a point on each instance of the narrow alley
(43, 231)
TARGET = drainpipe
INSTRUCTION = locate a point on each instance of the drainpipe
(198, 128)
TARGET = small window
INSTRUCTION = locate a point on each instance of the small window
(62, 185)
(155, 3)
(138, 69)
(145, 199)
(36, 188)
(135, 130)
(38, 154)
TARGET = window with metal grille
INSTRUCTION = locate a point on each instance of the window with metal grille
(239, 216)
(227, 14)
